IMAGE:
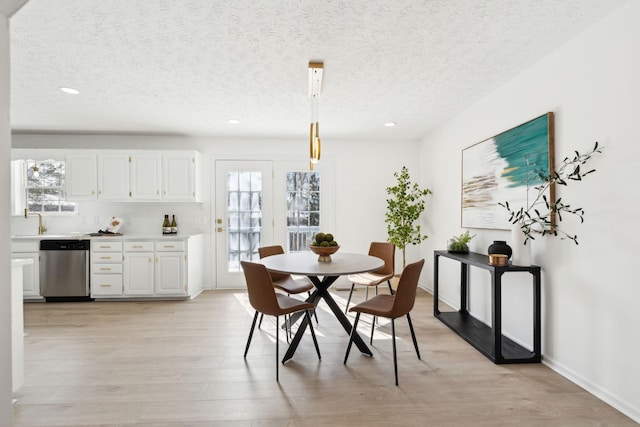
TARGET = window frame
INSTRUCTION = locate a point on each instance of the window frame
(25, 187)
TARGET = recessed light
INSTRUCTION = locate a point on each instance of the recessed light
(233, 121)
(70, 90)
(390, 124)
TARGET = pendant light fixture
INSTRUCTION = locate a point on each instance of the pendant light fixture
(315, 87)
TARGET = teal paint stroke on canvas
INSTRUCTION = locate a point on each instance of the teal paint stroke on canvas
(526, 151)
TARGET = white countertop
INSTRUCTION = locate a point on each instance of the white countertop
(80, 236)
(19, 262)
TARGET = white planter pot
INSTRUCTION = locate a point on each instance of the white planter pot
(521, 253)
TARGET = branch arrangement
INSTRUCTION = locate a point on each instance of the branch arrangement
(531, 220)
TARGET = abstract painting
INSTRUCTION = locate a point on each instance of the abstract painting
(505, 168)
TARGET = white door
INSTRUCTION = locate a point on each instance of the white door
(243, 217)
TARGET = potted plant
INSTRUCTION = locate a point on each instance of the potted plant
(404, 206)
(542, 216)
(460, 243)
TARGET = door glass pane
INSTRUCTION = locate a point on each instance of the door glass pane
(244, 213)
(303, 209)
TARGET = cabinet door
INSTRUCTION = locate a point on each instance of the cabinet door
(138, 273)
(113, 176)
(30, 274)
(81, 177)
(145, 175)
(178, 176)
(170, 272)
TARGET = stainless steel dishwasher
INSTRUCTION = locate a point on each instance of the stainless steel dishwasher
(64, 270)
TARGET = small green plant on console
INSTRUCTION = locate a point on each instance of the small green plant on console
(460, 243)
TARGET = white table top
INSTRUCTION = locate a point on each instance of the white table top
(307, 264)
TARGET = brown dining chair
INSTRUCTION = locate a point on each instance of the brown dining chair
(265, 300)
(283, 281)
(385, 251)
(392, 307)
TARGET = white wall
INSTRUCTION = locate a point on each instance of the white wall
(6, 409)
(362, 170)
(590, 292)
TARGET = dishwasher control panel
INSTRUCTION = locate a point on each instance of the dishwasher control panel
(64, 245)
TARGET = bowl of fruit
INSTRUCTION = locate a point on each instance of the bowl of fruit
(324, 246)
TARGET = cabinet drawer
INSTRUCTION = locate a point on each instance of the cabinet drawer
(101, 246)
(173, 246)
(138, 246)
(106, 269)
(106, 257)
(106, 284)
(25, 246)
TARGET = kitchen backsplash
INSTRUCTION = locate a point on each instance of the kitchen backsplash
(139, 218)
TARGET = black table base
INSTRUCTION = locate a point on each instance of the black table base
(322, 293)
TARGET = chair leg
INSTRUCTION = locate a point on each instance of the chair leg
(349, 299)
(253, 325)
(277, 351)
(366, 297)
(287, 327)
(395, 357)
(373, 327)
(313, 334)
(260, 323)
(353, 331)
(413, 336)
(314, 312)
(390, 287)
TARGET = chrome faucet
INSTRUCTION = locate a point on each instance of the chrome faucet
(41, 227)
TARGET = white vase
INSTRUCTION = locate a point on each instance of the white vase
(521, 253)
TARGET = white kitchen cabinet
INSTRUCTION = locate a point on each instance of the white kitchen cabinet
(106, 269)
(30, 273)
(113, 175)
(138, 268)
(81, 180)
(17, 323)
(146, 176)
(180, 176)
(120, 175)
(170, 267)
(170, 271)
(170, 277)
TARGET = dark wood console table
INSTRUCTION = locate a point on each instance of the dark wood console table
(488, 339)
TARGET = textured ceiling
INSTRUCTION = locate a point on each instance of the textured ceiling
(188, 66)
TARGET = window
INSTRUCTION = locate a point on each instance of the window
(303, 209)
(44, 187)
(244, 210)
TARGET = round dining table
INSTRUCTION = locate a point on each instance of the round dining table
(323, 275)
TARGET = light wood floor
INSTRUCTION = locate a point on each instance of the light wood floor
(170, 364)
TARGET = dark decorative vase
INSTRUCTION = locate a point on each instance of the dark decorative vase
(500, 247)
